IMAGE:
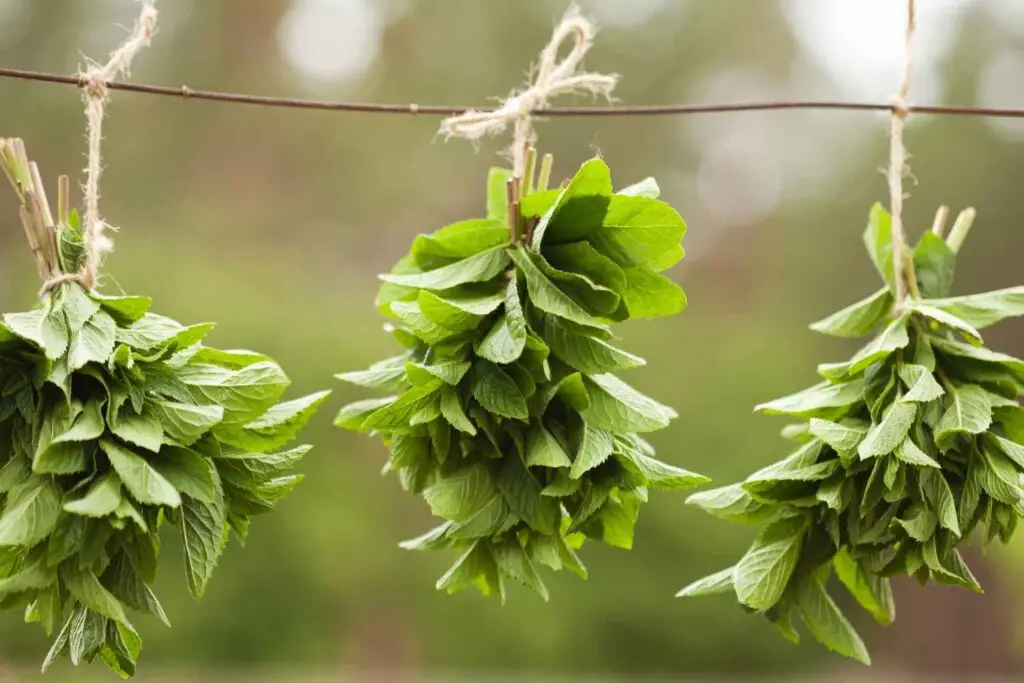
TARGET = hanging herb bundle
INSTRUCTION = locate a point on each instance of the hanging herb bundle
(114, 423)
(508, 419)
(907, 449)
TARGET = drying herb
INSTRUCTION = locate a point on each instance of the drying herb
(114, 423)
(905, 450)
(507, 417)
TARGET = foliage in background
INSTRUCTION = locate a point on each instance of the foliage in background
(907, 448)
(509, 420)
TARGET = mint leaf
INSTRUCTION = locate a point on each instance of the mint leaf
(935, 265)
(478, 268)
(968, 411)
(858, 319)
(548, 297)
(983, 310)
(762, 574)
(617, 407)
(101, 500)
(651, 295)
(815, 401)
(140, 478)
(827, 624)
(889, 432)
(874, 593)
(878, 241)
(30, 513)
(497, 392)
(591, 354)
(719, 582)
(507, 339)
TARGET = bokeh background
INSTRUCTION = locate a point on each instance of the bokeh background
(275, 223)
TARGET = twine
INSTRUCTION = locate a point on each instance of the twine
(898, 156)
(95, 95)
(553, 78)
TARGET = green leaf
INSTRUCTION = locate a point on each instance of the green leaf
(30, 576)
(101, 500)
(450, 372)
(595, 446)
(581, 350)
(87, 589)
(920, 524)
(892, 338)
(144, 430)
(921, 384)
(940, 497)
(889, 432)
(458, 241)
(731, 503)
(941, 317)
(618, 408)
(188, 472)
(459, 313)
(185, 422)
(94, 343)
(244, 393)
(274, 428)
(719, 582)
(578, 209)
(451, 409)
(935, 265)
(140, 478)
(124, 309)
(878, 241)
(827, 624)
(513, 562)
(910, 453)
(522, 492)
(651, 295)
(478, 268)
(78, 307)
(594, 298)
(460, 495)
(497, 392)
(637, 230)
(203, 529)
(88, 425)
(816, 400)
(857, 320)
(543, 449)
(507, 339)
(31, 513)
(842, 437)
(582, 257)
(385, 374)
(872, 592)
(998, 477)
(355, 415)
(545, 295)
(661, 475)
(764, 570)
(954, 350)
(46, 328)
(983, 310)
(968, 411)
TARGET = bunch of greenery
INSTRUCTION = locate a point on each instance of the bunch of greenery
(508, 419)
(115, 422)
(907, 448)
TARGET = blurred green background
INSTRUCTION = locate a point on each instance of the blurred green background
(275, 223)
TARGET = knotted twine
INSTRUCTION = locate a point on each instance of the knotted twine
(553, 78)
(898, 156)
(95, 94)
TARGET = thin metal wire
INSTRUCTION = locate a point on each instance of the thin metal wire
(186, 92)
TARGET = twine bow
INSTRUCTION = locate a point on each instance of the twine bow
(553, 78)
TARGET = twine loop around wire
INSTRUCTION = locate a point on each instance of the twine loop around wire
(554, 77)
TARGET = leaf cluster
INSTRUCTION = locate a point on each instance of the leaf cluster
(507, 417)
(115, 422)
(906, 449)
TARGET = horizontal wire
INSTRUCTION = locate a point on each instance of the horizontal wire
(186, 92)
